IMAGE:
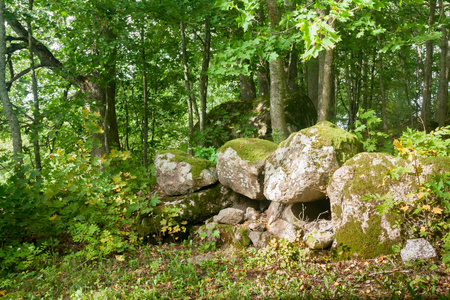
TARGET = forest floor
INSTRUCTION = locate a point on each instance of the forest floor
(187, 271)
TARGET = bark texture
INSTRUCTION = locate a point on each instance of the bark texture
(442, 98)
(13, 121)
(427, 82)
(277, 88)
(203, 83)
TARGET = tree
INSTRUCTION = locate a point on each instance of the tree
(7, 105)
(277, 83)
(426, 94)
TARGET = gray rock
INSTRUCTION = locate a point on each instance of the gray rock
(179, 173)
(260, 239)
(301, 167)
(319, 234)
(357, 224)
(283, 230)
(417, 249)
(275, 211)
(251, 214)
(193, 208)
(259, 226)
(240, 165)
(230, 216)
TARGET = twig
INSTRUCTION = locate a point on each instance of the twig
(388, 272)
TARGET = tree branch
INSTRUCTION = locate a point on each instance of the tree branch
(21, 74)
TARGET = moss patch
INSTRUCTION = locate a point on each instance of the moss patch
(250, 149)
(198, 164)
(195, 207)
(353, 240)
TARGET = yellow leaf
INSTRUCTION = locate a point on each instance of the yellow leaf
(120, 257)
(53, 217)
(437, 210)
(404, 208)
(2, 293)
(426, 207)
(58, 152)
(422, 229)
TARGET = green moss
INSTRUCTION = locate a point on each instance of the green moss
(353, 240)
(250, 149)
(337, 211)
(198, 164)
(345, 144)
(441, 164)
(195, 207)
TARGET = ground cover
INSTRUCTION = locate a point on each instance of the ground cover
(188, 271)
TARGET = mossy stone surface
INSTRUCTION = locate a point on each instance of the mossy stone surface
(359, 229)
(223, 235)
(198, 164)
(250, 149)
(194, 208)
(345, 144)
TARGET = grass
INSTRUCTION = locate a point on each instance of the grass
(171, 271)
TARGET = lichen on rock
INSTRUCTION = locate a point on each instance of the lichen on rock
(240, 165)
(179, 173)
(359, 229)
(299, 170)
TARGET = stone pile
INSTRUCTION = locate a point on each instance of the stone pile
(311, 189)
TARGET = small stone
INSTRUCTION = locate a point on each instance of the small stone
(257, 226)
(417, 249)
(230, 216)
(283, 230)
(251, 214)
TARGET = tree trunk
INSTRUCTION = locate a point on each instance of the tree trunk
(277, 89)
(248, 90)
(203, 83)
(145, 92)
(382, 88)
(263, 80)
(292, 71)
(442, 97)
(7, 106)
(313, 81)
(427, 83)
(191, 98)
(99, 87)
(326, 101)
(36, 111)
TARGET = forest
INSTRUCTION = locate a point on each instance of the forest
(92, 90)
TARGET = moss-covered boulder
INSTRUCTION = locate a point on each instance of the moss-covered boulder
(179, 173)
(359, 229)
(238, 119)
(223, 235)
(186, 210)
(240, 165)
(299, 170)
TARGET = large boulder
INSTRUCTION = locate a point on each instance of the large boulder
(238, 119)
(301, 167)
(359, 229)
(179, 173)
(187, 209)
(240, 165)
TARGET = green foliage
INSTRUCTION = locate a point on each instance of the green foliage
(91, 200)
(209, 153)
(426, 211)
(366, 131)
